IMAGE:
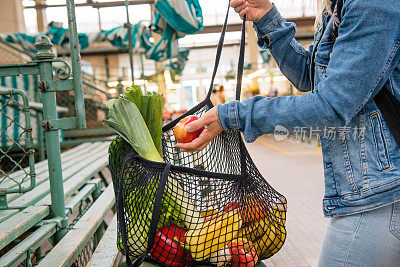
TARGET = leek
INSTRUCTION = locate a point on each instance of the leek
(145, 106)
(125, 118)
(134, 94)
(127, 121)
(151, 108)
(154, 118)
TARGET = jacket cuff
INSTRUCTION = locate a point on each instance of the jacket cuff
(228, 115)
(267, 24)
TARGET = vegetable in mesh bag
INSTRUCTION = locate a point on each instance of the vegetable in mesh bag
(151, 108)
(127, 121)
(230, 236)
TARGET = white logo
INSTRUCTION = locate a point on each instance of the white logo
(280, 133)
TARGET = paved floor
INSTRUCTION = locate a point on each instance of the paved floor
(295, 170)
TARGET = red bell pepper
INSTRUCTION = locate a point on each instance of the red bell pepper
(168, 251)
(243, 253)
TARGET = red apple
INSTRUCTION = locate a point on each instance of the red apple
(180, 133)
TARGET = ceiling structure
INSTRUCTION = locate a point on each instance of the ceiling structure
(304, 24)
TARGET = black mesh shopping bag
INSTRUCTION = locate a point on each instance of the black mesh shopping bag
(211, 207)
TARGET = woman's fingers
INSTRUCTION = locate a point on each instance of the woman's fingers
(196, 125)
(203, 146)
(197, 149)
(211, 129)
(204, 138)
(243, 12)
(236, 3)
(204, 120)
(240, 8)
(252, 9)
(208, 134)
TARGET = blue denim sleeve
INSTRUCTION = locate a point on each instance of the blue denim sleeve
(365, 53)
(277, 35)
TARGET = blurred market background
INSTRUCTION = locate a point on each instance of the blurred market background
(179, 67)
(184, 79)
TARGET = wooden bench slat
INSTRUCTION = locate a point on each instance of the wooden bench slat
(76, 200)
(5, 214)
(32, 197)
(107, 253)
(68, 249)
(68, 163)
(89, 132)
(79, 179)
(17, 254)
(18, 224)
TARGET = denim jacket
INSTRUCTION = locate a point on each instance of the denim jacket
(362, 164)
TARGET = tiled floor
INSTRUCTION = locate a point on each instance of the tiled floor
(295, 170)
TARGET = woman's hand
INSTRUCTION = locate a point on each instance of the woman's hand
(253, 9)
(211, 129)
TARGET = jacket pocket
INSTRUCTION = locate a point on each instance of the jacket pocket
(380, 143)
(395, 220)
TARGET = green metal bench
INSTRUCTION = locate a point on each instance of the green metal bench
(58, 200)
(79, 165)
(68, 250)
(107, 253)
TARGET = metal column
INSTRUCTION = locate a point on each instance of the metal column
(51, 134)
(128, 26)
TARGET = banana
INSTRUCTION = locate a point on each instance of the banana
(263, 244)
(273, 239)
(255, 230)
(280, 240)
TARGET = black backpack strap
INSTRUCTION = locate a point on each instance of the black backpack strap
(387, 103)
(389, 106)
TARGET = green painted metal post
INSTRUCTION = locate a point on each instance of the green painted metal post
(128, 26)
(43, 44)
(120, 86)
(142, 69)
(76, 65)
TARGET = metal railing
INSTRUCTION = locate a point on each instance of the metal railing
(62, 79)
(16, 138)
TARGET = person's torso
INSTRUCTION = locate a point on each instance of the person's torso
(361, 160)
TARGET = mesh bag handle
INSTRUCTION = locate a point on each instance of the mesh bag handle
(207, 100)
(219, 52)
(241, 60)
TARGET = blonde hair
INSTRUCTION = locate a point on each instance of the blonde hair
(324, 6)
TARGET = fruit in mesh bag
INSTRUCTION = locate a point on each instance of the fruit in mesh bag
(181, 135)
(268, 233)
(212, 235)
(167, 247)
(240, 252)
(274, 237)
(255, 230)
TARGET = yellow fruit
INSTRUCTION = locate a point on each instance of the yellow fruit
(255, 230)
(272, 241)
(208, 212)
(213, 235)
